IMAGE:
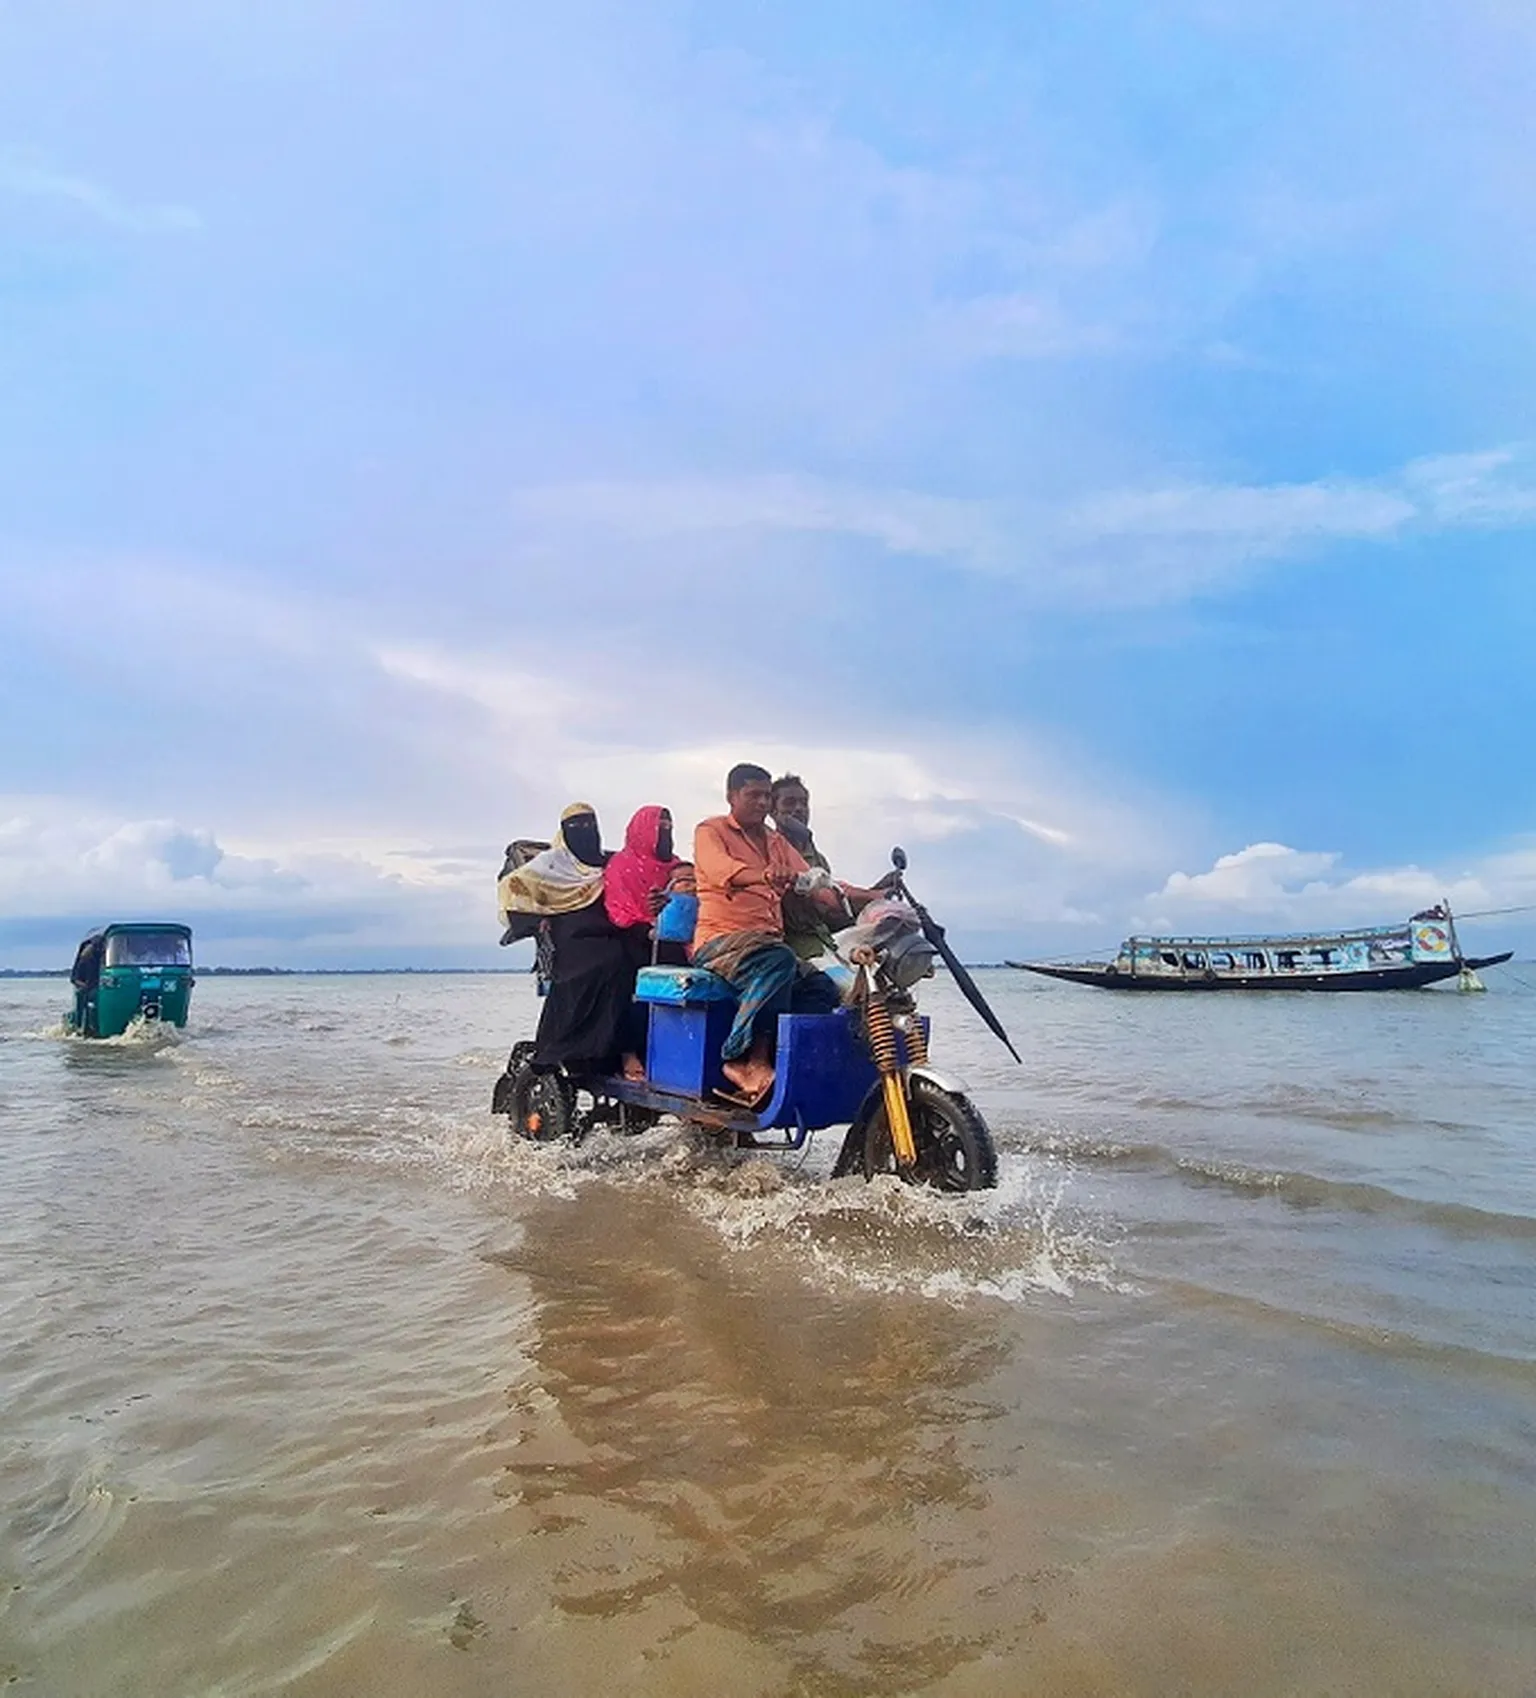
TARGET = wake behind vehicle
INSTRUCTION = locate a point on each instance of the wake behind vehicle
(865, 1067)
(122, 973)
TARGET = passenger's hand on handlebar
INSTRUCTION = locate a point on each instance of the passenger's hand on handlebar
(658, 900)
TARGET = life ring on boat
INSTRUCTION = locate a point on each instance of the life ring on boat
(1433, 940)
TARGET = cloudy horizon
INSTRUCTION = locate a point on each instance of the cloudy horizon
(1093, 446)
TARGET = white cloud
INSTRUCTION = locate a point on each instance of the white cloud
(477, 745)
(903, 521)
(1259, 879)
(1267, 519)
(1000, 827)
(1114, 548)
(64, 866)
(22, 178)
(1272, 885)
(1494, 489)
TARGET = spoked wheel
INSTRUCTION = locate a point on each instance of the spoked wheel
(543, 1106)
(954, 1147)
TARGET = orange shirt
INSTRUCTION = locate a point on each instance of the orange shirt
(729, 868)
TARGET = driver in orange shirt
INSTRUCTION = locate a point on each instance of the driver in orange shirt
(743, 868)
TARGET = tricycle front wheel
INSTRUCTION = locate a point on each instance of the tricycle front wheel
(954, 1146)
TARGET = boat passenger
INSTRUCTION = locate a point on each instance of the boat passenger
(584, 1022)
(635, 886)
(809, 924)
(743, 868)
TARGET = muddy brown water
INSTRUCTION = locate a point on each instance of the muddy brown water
(311, 1384)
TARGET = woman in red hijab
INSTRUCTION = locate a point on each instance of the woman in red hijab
(639, 872)
(634, 889)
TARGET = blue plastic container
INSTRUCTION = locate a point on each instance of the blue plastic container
(675, 923)
(691, 1014)
(683, 1050)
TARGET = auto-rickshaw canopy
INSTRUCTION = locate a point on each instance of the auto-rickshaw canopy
(147, 944)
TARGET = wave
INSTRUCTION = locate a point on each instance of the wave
(68, 1515)
(1292, 1102)
(1300, 1190)
(1391, 1342)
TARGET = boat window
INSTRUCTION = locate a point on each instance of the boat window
(1255, 962)
(1222, 962)
(1194, 961)
(1285, 960)
(1169, 959)
(149, 949)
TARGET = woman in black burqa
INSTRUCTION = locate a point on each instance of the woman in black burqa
(584, 1025)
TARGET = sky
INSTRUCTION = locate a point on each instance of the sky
(1092, 441)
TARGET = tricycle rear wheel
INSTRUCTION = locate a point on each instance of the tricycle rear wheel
(543, 1106)
(504, 1092)
(954, 1146)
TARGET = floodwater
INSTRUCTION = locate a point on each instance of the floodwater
(314, 1384)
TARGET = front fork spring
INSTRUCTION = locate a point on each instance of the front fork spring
(882, 1035)
(917, 1043)
(884, 1048)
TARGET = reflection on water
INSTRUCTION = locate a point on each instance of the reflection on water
(751, 1458)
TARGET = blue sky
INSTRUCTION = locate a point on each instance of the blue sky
(1093, 442)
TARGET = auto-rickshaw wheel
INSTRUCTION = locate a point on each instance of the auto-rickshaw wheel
(543, 1106)
(954, 1146)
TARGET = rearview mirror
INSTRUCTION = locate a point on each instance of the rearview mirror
(899, 859)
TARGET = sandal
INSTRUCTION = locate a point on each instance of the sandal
(743, 1099)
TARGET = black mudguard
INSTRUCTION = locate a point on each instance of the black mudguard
(850, 1159)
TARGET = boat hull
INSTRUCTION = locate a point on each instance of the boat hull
(1410, 975)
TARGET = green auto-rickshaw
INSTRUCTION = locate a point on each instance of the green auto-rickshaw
(124, 973)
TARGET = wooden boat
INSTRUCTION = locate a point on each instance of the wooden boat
(1369, 958)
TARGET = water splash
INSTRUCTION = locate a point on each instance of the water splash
(149, 1037)
(1010, 1244)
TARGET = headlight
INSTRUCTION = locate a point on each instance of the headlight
(908, 959)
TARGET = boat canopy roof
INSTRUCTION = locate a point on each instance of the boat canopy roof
(1270, 940)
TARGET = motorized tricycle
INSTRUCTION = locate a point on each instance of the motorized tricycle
(123, 973)
(864, 1066)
